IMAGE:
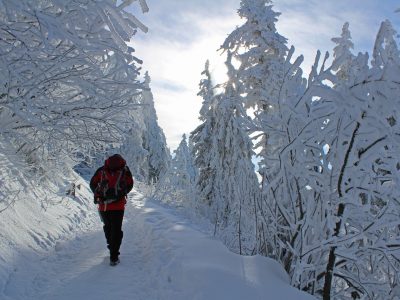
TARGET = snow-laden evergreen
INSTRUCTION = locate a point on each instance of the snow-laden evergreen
(153, 137)
(144, 146)
(178, 186)
(132, 149)
(272, 84)
(230, 190)
(202, 137)
(183, 164)
(261, 51)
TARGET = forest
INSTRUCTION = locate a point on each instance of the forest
(301, 168)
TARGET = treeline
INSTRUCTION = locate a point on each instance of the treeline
(326, 200)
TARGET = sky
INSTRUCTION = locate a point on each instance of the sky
(183, 34)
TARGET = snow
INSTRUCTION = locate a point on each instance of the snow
(163, 256)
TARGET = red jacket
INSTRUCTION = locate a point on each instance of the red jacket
(112, 167)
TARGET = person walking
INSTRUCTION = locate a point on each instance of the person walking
(110, 185)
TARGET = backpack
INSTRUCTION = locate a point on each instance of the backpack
(110, 190)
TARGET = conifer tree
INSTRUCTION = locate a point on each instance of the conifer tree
(178, 186)
(183, 165)
(153, 137)
(272, 84)
(234, 188)
(201, 137)
(261, 52)
(134, 153)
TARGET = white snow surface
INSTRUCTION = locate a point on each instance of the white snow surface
(164, 256)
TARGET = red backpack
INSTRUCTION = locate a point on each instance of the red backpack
(112, 185)
(111, 188)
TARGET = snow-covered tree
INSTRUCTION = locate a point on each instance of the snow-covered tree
(201, 137)
(365, 165)
(329, 211)
(232, 192)
(261, 51)
(178, 185)
(183, 164)
(134, 153)
(353, 134)
(343, 55)
(283, 206)
(153, 137)
(68, 77)
(273, 85)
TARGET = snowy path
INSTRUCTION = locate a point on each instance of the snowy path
(162, 257)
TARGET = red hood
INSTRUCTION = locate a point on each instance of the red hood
(115, 162)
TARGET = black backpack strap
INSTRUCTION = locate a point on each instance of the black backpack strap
(121, 176)
(121, 173)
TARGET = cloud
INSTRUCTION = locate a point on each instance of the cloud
(174, 52)
(168, 85)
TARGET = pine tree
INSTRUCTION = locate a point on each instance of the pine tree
(183, 165)
(153, 137)
(273, 85)
(262, 53)
(134, 153)
(342, 54)
(178, 186)
(233, 191)
(201, 137)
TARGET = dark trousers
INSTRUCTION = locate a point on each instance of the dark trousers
(112, 220)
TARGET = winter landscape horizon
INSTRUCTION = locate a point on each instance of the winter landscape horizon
(263, 138)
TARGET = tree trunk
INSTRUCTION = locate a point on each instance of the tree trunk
(326, 295)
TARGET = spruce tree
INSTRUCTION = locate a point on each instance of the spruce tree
(201, 138)
(153, 137)
(233, 191)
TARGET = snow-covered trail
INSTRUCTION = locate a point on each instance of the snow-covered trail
(162, 257)
(79, 269)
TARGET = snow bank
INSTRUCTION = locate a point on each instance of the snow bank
(203, 268)
(36, 220)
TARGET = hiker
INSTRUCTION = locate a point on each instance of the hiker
(110, 184)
